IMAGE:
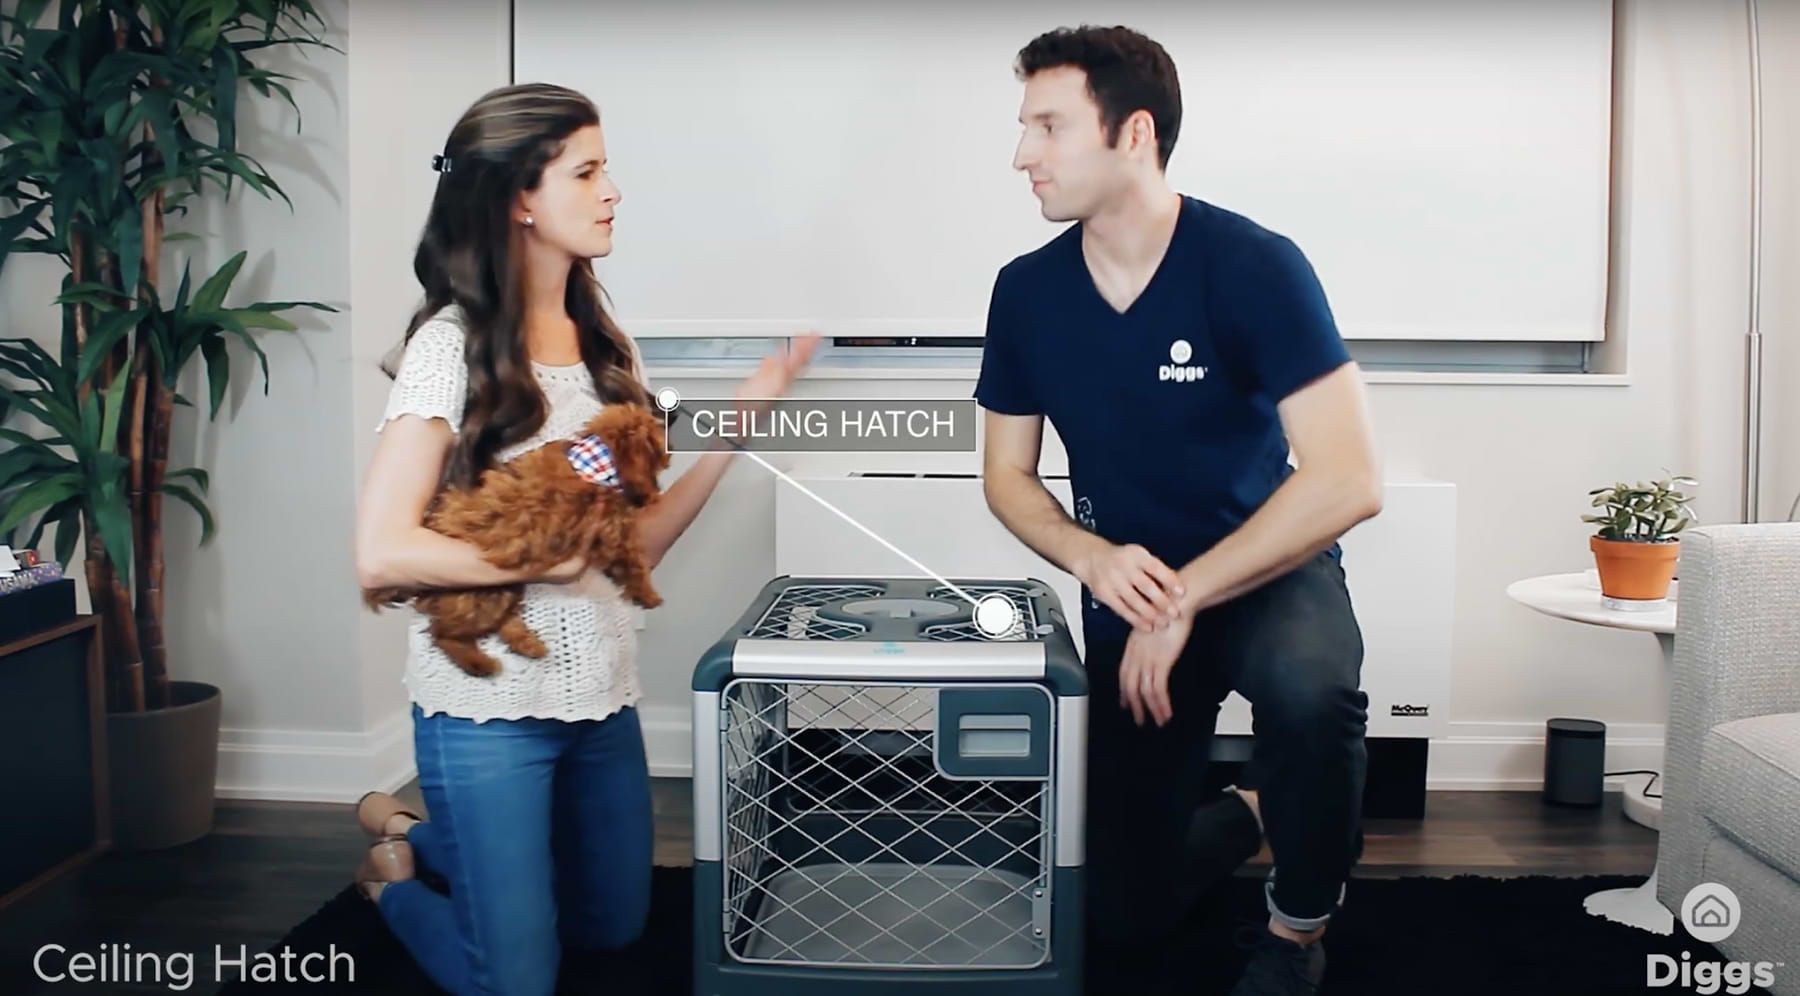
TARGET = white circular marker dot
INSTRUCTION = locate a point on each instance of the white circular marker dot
(995, 615)
(667, 399)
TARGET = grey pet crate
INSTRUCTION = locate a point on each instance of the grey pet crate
(884, 796)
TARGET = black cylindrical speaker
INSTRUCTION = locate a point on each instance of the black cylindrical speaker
(1574, 761)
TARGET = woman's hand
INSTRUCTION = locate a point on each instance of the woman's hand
(566, 572)
(664, 522)
(777, 371)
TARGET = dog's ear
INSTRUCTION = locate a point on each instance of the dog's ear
(639, 451)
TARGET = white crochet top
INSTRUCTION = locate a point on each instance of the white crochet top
(591, 670)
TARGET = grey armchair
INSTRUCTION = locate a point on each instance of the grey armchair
(1731, 806)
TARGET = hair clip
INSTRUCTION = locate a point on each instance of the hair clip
(441, 163)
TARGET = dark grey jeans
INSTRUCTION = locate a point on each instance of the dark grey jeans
(1293, 649)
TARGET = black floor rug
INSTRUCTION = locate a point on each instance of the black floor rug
(1463, 935)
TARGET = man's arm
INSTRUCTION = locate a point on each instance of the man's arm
(1127, 578)
(1018, 498)
(1337, 484)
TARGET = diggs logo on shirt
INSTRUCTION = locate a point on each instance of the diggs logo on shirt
(1180, 351)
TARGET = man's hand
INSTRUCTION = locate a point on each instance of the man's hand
(1143, 590)
(1144, 670)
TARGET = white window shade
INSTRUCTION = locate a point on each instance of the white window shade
(848, 168)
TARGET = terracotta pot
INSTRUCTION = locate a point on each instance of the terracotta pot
(1634, 569)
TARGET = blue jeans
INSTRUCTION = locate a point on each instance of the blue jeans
(542, 831)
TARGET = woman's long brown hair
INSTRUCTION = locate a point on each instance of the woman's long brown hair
(471, 255)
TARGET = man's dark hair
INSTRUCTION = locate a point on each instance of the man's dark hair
(1126, 72)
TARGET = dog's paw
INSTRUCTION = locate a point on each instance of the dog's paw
(479, 668)
(527, 644)
(471, 658)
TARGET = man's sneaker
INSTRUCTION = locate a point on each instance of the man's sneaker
(1280, 967)
(1222, 836)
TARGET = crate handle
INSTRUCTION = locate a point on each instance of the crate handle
(988, 736)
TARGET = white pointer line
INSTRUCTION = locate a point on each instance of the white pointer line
(803, 489)
(866, 530)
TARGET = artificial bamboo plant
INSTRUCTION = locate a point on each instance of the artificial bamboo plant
(114, 113)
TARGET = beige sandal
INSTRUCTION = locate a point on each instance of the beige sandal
(374, 818)
(387, 861)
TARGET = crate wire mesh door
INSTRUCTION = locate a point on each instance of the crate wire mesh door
(847, 844)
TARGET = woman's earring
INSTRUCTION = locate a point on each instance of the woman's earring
(528, 220)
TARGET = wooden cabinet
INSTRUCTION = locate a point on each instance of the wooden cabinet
(52, 756)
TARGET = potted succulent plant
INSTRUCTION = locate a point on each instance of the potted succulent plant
(1637, 546)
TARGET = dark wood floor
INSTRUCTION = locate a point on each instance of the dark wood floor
(267, 866)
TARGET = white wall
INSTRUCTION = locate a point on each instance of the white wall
(255, 612)
(314, 708)
(1781, 256)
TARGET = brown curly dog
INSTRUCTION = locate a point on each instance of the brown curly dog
(534, 512)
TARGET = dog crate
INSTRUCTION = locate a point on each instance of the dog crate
(885, 795)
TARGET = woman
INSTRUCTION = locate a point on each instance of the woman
(535, 779)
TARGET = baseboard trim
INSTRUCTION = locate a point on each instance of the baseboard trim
(1477, 756)
(314, 766)
(305, 766)
(1510, 756)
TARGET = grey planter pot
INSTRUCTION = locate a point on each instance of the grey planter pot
(164, 763)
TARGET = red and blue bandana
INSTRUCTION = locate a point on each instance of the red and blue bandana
(593, 461)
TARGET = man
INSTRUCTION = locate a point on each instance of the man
(1181, 350)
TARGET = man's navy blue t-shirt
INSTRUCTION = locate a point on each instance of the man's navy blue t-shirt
(1168, 409)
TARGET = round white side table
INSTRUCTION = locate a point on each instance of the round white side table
(1577, 597)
